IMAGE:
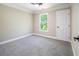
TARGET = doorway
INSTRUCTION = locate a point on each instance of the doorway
(63, 24)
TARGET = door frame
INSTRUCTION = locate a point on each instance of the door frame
(70, 23)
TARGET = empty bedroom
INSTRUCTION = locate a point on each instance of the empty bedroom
(39, 29)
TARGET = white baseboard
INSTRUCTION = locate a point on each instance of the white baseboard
(14, 39)
(44, 36)
(73, 49)
(48, 36)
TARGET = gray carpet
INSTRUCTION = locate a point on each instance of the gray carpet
(36, 46)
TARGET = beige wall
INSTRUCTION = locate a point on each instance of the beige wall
(75, 27)
(51, 24)
(51, 20)
(14, 23)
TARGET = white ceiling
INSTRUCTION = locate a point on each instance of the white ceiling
(29, 7)
(35, 8)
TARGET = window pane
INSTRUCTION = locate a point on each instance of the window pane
(43, 22)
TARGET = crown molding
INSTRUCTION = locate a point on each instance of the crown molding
(57, 7)
(15, 5)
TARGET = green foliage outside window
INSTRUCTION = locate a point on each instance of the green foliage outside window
(43, 22)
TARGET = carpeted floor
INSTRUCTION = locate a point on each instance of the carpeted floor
(36, 46)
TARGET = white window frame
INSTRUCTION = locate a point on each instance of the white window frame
(40, 22)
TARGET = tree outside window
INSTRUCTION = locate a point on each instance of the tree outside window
(44, 22)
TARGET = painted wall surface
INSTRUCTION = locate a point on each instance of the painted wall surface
(75, 27)
(51, 24)
(14, 23)
(51, 20)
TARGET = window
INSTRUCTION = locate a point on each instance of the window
(43, 22)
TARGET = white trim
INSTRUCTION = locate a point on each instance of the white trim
(14, 39)
(16, 6)
(44, 35)
(58, 7)
(52, 37)
(68, 23)
(73, 49)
